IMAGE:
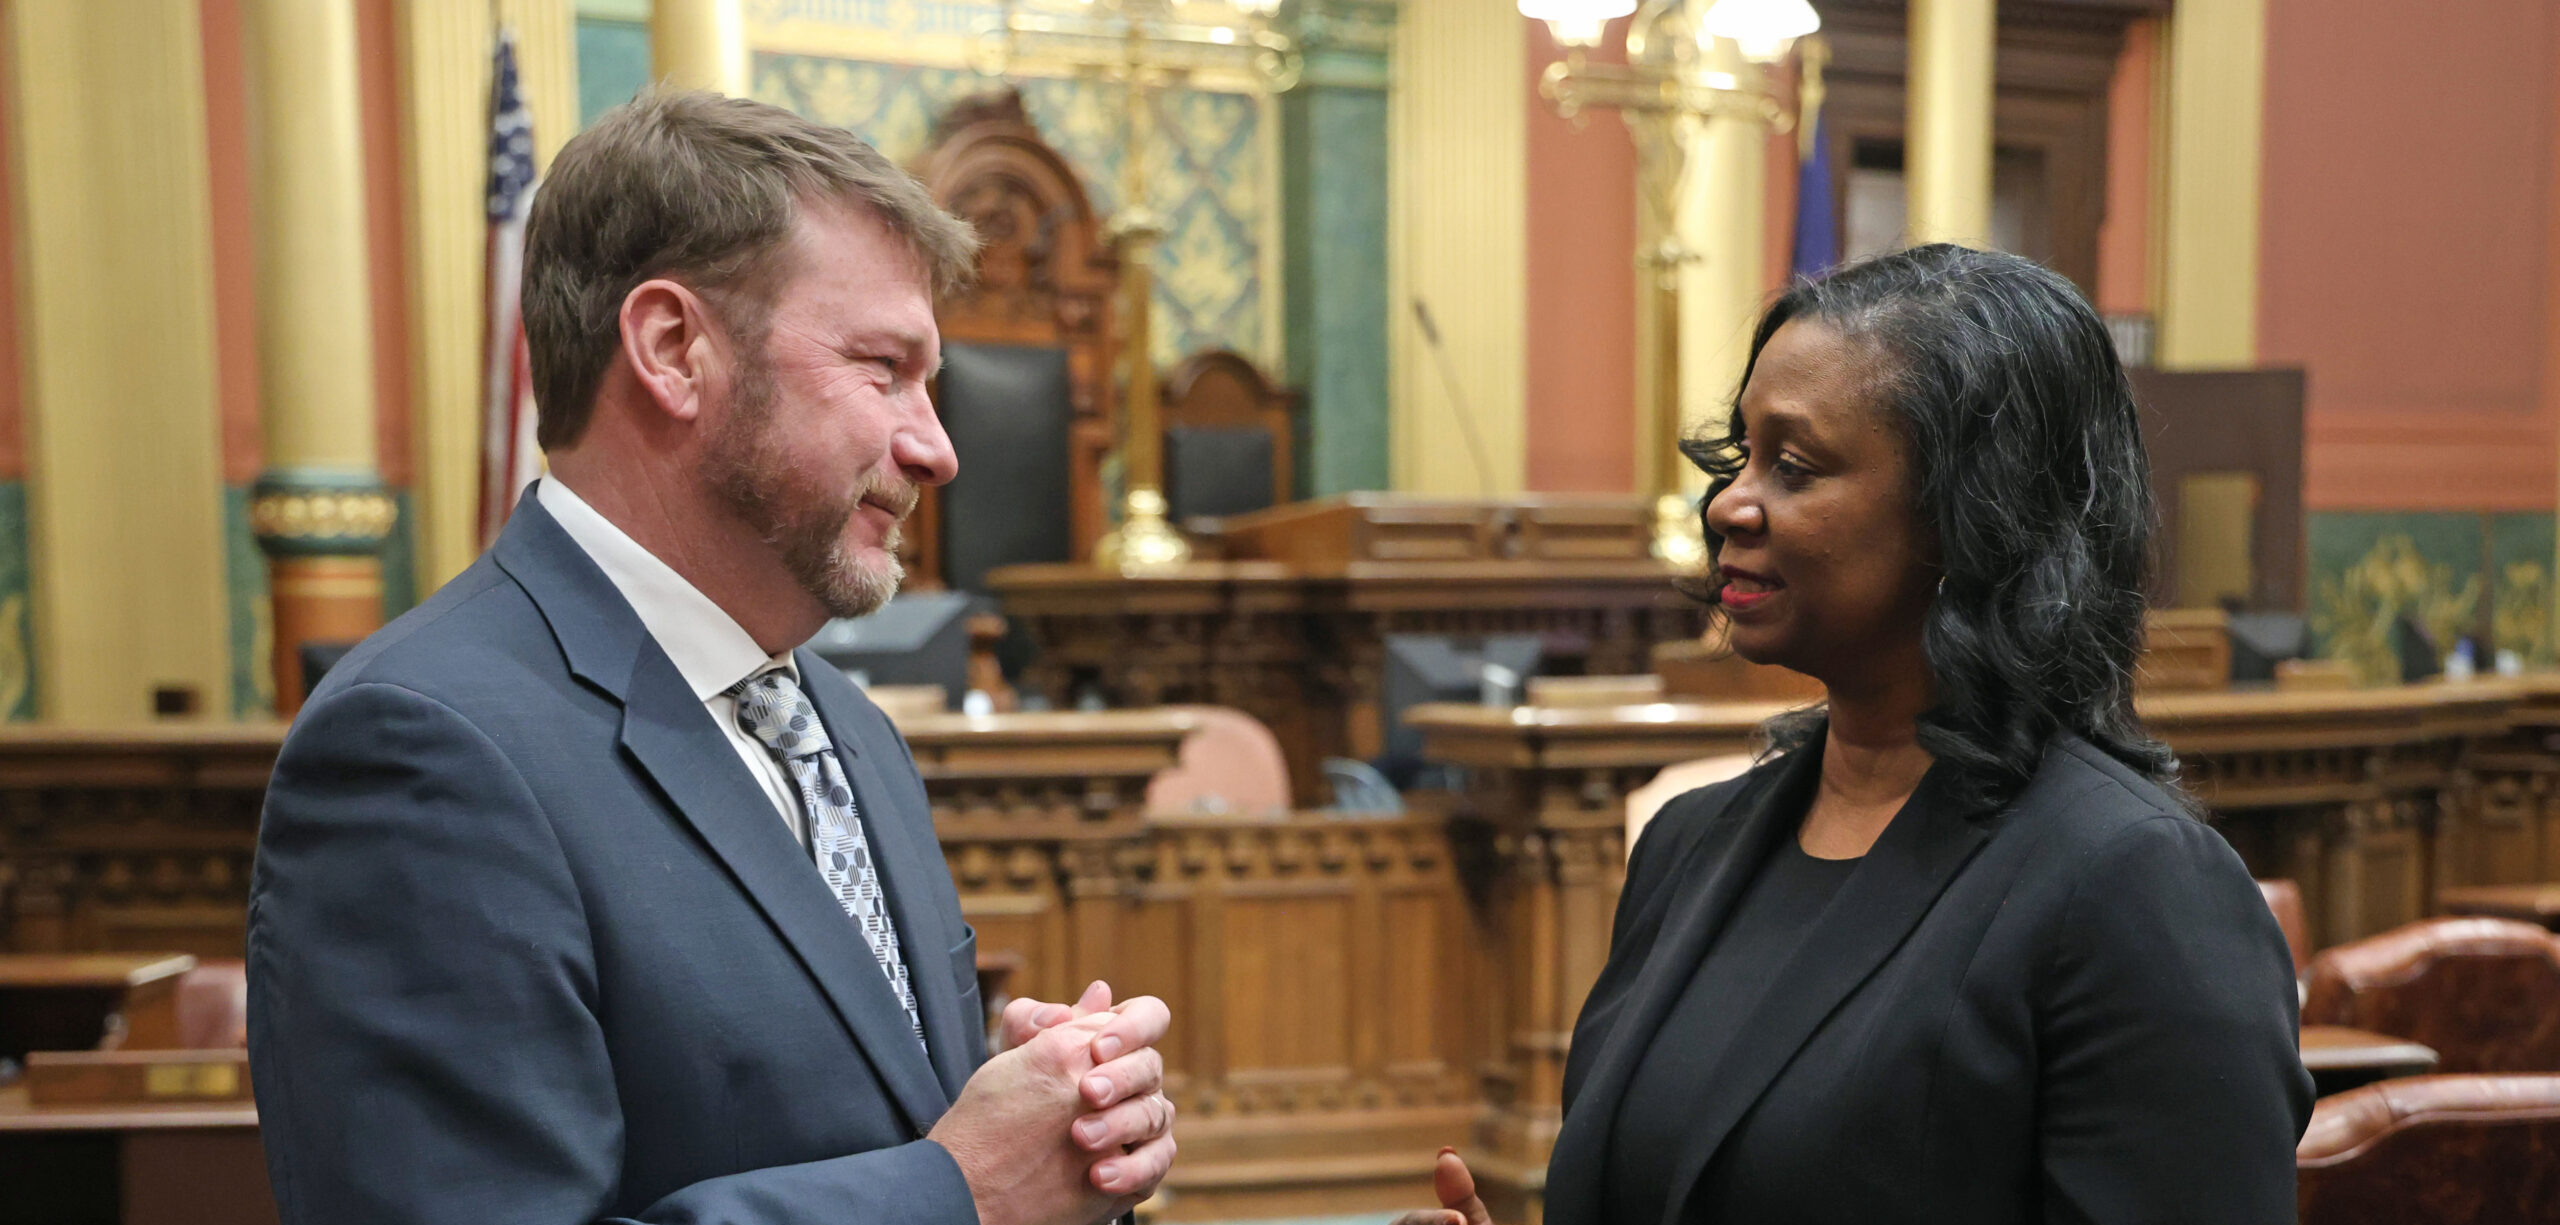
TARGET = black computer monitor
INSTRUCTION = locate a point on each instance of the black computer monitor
(2261, 640)
(917, 638)
(1445, 668)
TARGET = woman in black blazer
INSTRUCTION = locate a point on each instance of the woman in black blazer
(1958, 949)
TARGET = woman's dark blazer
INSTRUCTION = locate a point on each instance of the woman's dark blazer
(2075, 1010)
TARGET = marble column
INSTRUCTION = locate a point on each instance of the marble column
(319, 510)
(699, 44)
(1333, 180)
(1947, 146)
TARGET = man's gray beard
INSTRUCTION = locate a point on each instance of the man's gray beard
(742, 464)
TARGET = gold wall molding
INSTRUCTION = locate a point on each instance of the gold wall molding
(1458, 242)
(324, 516)
(2216, 123)
(125, 491)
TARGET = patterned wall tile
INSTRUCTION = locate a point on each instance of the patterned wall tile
(2520, 559)
(1205, 173)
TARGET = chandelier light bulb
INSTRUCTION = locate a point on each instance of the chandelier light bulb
(1577, 23)
(1764, 29)
(1258, 8)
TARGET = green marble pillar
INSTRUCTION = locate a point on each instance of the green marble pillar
(1334, 185)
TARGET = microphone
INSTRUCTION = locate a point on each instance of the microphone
(1457, 399)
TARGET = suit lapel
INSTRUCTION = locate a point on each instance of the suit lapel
(1888, 894)
(1772, 808)
(668, 732)
(908, 865)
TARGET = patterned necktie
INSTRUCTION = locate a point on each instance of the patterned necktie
(772, 709)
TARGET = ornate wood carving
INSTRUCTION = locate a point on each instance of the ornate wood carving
(1046, 277)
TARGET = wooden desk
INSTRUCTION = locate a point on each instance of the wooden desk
(2539, 903)
(78, 1002)
(1290, 625)
(131, 1165)
(2340, 1058)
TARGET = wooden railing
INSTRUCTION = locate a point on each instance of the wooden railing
(1351, 993)
(2371, 799)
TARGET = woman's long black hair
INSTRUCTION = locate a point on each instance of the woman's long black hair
(2028, 470)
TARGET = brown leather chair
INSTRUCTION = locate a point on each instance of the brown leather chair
(213, 1006)
(2485, 993)
(2447, 1150)
(2285, 898)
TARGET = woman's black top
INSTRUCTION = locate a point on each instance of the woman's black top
(2075, 1010)
(1767, 926)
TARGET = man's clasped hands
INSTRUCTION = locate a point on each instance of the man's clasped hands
(1090, 1077)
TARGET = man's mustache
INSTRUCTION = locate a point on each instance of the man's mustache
(896, 497)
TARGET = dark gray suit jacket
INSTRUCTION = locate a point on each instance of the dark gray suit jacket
(528, 944)
(2075, 1010)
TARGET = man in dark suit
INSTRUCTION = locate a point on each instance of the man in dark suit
(582, 894)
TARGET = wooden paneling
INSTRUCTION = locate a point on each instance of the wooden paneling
(1350, 994)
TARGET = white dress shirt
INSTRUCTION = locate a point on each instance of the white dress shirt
(710, 649)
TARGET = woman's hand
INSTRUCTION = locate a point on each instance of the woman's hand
(1457, 1191)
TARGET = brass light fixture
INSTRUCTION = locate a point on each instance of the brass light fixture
(1141, 45)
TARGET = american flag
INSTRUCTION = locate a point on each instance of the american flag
(509, 458)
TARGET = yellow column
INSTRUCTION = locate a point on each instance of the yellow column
(1947, 153)
(1458, 212)
(547, 68)
(319, 509)
(124, 482)
(445, 51)
(2209, 231)
(1721, 292)
(699, 44)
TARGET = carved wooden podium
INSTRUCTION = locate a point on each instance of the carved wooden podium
(1291, 624)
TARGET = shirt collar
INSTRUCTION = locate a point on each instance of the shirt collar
(708, 646)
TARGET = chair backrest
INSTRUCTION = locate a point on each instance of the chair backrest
(2285, 898)
(1230, 764)
(2485, 993)
(1047, 279)
(1227, 437)
(1009, 410)
(213, 1005)
(2446, 1150)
